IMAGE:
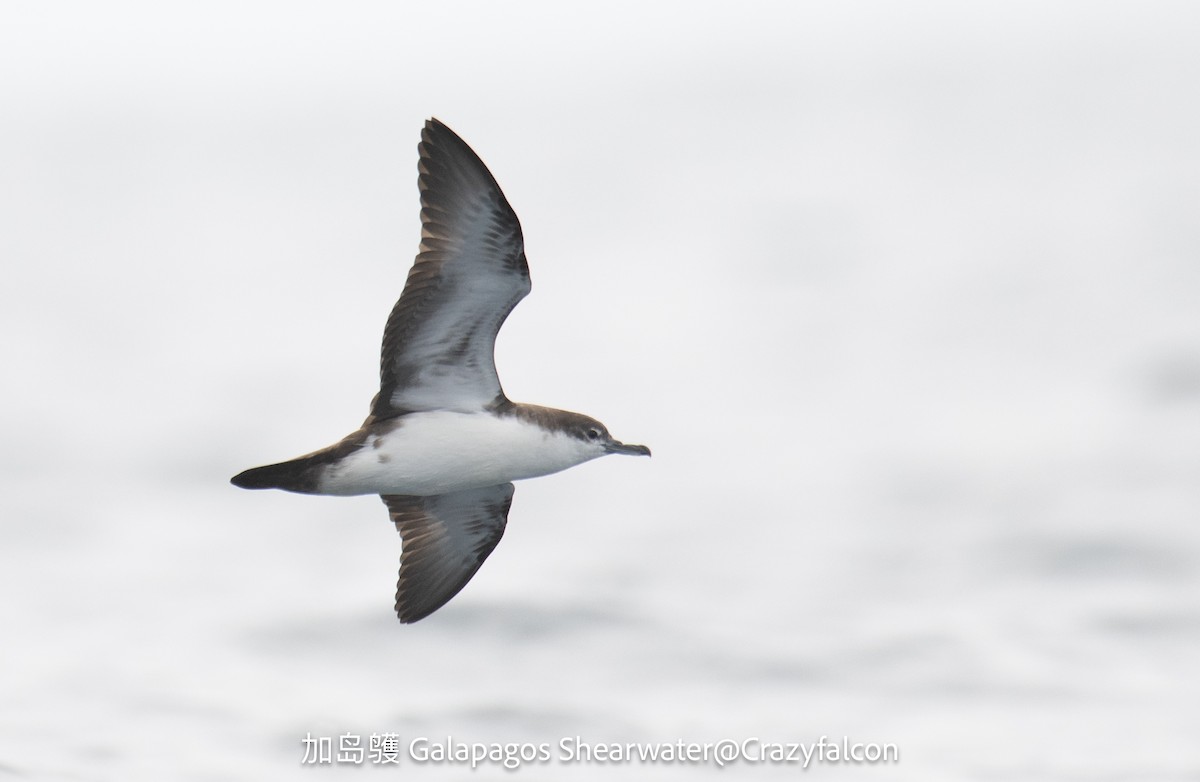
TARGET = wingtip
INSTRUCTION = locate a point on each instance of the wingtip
(407, 616)
(435, 134)
(435, 129)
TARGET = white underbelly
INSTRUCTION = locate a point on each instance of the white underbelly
(439, 452)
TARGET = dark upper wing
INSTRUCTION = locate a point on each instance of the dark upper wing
(445, 538)
(439, 341)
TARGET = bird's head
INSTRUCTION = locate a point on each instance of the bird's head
(597, 439)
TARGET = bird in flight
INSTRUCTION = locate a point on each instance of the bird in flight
(442, 443)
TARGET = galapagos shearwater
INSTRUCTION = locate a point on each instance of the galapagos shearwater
(442, 443)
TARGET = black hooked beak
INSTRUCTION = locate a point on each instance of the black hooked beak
(616, 446)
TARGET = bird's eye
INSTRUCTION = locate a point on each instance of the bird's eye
(593, 433)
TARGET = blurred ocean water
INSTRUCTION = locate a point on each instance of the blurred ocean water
(906, 300)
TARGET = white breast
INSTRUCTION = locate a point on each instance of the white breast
(442, 451)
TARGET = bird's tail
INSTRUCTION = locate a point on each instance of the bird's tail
(296, 475)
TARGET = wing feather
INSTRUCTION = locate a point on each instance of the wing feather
(445, 539)
(439, 342)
